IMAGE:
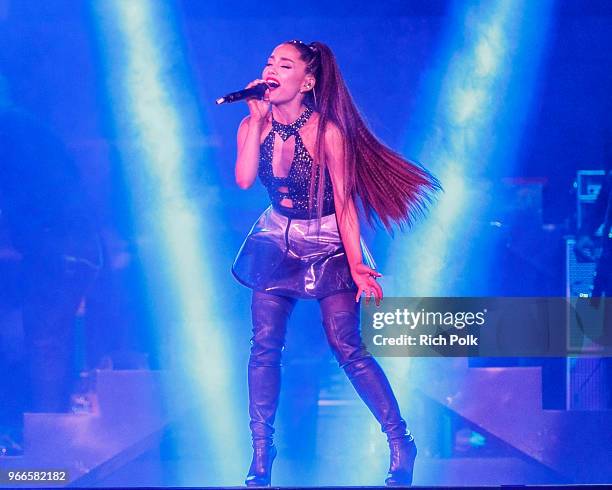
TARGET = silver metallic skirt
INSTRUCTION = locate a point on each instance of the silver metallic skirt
(283, 255)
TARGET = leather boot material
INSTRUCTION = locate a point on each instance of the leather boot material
(373, 387)
(401, 465)
(341, 323)
(260, 471)
(270, 314)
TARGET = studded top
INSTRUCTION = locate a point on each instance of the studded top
(297, 181)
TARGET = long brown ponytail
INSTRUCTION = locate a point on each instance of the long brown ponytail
(390, 187)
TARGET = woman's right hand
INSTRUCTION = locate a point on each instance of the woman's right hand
(258, 108)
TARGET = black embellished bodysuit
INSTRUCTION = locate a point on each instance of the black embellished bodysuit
(285, 252)
(297, 181)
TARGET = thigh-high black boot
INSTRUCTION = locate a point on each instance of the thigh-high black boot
(270, 314)
(340, 315)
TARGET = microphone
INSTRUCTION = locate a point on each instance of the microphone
(256, 91)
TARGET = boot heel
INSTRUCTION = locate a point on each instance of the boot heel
(260, 472)
(402, 456)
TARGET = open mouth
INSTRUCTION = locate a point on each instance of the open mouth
(273, 83)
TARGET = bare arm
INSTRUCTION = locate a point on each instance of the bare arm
(249, 137)
(348, 222)
(247, 161)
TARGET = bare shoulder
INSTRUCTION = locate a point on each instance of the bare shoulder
(247, 120)
(243, 127)
(244, 124)
(333, 136)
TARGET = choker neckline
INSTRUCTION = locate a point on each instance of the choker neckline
(287, 130)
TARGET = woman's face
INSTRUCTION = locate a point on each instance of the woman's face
(285, 67)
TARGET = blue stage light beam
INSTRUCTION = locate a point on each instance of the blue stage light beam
(470, 119)
(466, 131)
(152, 110)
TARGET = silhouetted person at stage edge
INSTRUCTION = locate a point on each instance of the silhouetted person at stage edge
(51, 227)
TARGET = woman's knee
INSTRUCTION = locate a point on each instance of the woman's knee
(270, 315)
(344, 337)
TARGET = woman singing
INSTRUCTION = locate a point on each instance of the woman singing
(313, 152)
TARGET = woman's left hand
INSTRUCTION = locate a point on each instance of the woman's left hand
(365, 279)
